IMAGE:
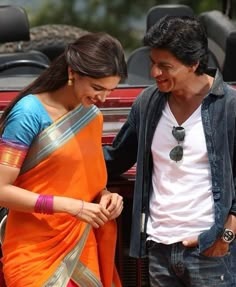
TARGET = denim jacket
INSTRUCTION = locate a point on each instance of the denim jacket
(133, 143)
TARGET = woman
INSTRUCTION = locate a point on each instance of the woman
(53, 175)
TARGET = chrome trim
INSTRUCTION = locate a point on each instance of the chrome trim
(115, 111)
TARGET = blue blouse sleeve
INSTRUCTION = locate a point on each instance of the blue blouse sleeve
(26, 120)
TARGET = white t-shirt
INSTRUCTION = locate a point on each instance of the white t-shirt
(181, 205)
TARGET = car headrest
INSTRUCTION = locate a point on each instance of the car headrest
(218, 26)
(221, 32)
(159, 11)
(14, 24)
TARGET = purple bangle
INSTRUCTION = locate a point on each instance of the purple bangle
(44, 204)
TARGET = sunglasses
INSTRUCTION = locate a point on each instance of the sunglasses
(176, 154)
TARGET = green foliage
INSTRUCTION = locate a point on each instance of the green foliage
(124, 19)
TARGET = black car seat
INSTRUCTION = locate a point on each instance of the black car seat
(221, 32)
(138, 62)
(14, 27)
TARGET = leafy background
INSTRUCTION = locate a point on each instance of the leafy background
(124, 19)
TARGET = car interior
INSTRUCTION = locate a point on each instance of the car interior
(21, 66)
(14, 27)
(221, 32)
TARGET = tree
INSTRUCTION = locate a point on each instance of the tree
(121, 18)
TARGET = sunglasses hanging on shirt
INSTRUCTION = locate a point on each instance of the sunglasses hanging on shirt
(176, 154)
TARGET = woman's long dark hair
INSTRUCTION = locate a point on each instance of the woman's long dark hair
(96, 55)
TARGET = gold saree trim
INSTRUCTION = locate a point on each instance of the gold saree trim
(84, 277)
(64, 271)
(12, 154)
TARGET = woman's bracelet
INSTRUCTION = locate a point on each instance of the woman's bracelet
(44, 204)
(105, 188)
(81, 209)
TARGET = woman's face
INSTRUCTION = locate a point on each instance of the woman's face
(88, 91)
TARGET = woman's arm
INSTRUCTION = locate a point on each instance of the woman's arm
(23, 200)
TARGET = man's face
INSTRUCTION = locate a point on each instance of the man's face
(171, 75)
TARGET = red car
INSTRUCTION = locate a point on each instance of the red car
(20, 68)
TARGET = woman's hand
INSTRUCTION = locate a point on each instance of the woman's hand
(112, 202)
(93, 213)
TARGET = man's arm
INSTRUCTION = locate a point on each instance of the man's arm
(122, 154)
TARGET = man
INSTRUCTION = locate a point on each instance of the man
(182, 134)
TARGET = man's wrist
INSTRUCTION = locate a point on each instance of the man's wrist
(229, 232)
(228, 235)
(231, 222)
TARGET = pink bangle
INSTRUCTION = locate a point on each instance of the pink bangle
(44, 204)
(81, 208)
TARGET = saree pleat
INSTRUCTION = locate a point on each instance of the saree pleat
(65, 269)
(39, 250)
(107, 246)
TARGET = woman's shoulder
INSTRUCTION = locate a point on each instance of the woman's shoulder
(29, 104)
(26, 119)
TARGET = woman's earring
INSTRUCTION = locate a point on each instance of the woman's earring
(70, 82)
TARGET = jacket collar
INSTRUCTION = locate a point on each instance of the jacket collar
(217, 88)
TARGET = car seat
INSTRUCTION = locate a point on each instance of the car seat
(221, 33)
(14, 27)
(138, 62)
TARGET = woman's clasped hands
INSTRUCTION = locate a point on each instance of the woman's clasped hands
(107, 206)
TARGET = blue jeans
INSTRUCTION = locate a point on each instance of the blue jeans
(177, 266)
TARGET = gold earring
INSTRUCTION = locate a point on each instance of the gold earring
(70, 82)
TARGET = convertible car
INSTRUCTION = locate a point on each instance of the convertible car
(19, 65)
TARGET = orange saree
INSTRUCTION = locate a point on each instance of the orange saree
(50, 250)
